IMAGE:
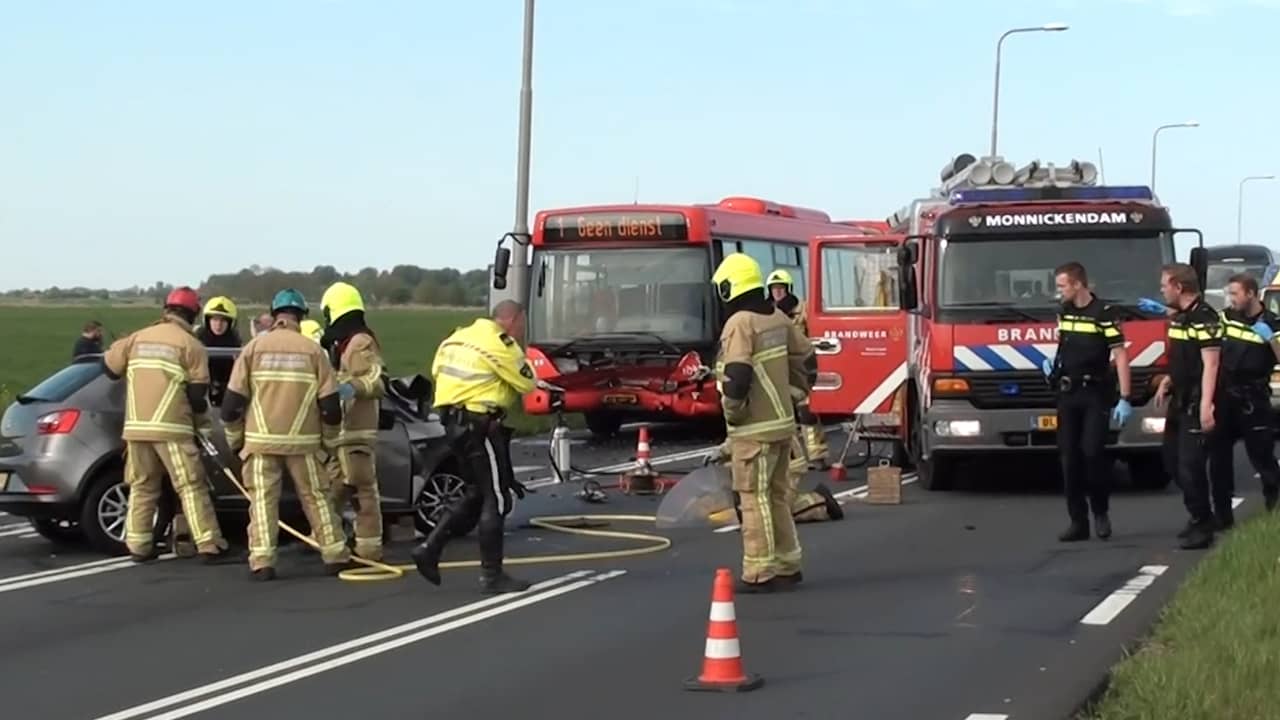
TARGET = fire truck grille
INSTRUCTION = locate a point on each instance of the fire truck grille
(1028, 389)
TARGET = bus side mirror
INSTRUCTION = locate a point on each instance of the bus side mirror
(501, 262)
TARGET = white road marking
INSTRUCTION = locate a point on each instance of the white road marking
(986, 716)
(843, 495)
(14, 526)
(337, 656)
(29, 535)
(15, 530)
(46, 577)
(1113, 604)
(1235, 502)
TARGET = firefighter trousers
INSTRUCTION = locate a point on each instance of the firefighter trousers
(263, 476)
(1242, 414)
(1185, 450)
(805, 506)
(815, 440)
(770, 545)
(1084, 417)
(355, 480)
(145, 467)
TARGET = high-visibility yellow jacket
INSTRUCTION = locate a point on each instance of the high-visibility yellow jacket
(158, 363)
(480, 368)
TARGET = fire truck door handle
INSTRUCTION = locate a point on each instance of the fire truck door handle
(825, 346)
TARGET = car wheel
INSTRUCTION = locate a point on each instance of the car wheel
(62, 531)
(441, 490)
(103, 511)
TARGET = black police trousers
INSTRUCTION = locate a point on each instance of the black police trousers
(1186, 450)
(485, 448)
(1242, 413)
(1084, 416)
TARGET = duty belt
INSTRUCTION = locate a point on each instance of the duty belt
(1246, 387)
(1067, 383)
(451, 414)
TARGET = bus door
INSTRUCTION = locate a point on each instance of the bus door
(857, 328)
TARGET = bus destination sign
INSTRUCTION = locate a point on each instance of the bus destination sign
(616, 226)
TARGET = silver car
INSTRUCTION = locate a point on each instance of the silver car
(61, 460)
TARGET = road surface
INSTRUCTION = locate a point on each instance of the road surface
(952, 605)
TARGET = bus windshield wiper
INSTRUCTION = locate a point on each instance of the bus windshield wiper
(1005, 307)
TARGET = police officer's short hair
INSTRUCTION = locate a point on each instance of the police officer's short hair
(507, 309)
(1246, 281)
(1074, 271)
(1182, 275)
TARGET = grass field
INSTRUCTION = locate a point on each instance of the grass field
(1214, 654)
(36, 340)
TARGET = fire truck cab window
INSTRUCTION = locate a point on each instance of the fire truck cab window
(579, 293)
(859, 278)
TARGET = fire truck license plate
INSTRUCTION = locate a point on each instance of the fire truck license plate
(1047, 422)
(618, 399)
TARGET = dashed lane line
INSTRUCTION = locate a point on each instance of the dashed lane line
(1112, 605)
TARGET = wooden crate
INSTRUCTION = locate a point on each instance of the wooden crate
(884, 484)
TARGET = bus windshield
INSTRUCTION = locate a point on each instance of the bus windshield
(1018, 272)
(659, 295)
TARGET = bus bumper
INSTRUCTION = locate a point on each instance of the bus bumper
(956, 427)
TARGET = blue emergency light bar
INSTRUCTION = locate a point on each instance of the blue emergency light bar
(1005, 195)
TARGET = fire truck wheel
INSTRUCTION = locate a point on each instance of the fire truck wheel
(603, 424)
(936, 473)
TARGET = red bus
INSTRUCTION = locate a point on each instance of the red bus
(621, 310)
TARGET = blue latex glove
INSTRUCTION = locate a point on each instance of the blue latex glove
(346, 391)
(1148, 305)
(1264, 330)
(1121, 412)
(1046, 367)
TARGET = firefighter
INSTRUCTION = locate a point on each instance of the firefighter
(1089, 339)
(167, 373)
(355, 354)
(281, 407)
(1243, 404)
(762, 355)
(782, 293)
(312, 329)
(479, 372)
(1195, 341)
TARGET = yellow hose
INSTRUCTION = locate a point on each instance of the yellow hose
(374, 571)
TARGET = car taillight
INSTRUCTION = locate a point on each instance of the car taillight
(57, 423)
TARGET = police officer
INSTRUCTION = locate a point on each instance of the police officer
(479, 372)
(281, 406)
(762, 356)
(1195, 341)
(354, 353)
(1089, 337)
(1243, 404)
(167, 372)
(782, 293)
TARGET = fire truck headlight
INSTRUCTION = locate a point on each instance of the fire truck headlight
(1153, 425)
(958, 428)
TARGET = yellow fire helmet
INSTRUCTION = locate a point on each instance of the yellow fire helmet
(340, 299)
(221, 306)
(737, 274)
(780, 277)
(312, 329)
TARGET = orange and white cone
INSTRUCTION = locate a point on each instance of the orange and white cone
(722, 659)
(642, 448)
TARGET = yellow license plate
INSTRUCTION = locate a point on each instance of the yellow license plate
(618, 399)
(1047, 422)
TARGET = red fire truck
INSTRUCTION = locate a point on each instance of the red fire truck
(976, 301)
(621, 311)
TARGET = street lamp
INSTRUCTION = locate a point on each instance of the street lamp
(519, 249)
(1240, 203)
(995, 102)
(1155, 136)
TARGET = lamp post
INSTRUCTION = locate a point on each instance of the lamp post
(1240, 204)
(1156, 136)
(519, 248)
(995, 101)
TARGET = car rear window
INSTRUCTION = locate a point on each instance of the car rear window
(60, 385)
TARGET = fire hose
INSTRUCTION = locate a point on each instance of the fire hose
(374, 571)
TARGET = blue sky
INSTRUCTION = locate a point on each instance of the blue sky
(152, 140)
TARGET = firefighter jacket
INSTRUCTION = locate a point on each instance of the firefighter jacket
(167, 378)
(480, 368)
(361, 365)
(794, 309)
(761, 358)
(284, 377)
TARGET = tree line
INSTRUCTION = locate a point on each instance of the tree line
(401, 285)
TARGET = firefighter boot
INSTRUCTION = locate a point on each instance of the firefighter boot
(496, 582)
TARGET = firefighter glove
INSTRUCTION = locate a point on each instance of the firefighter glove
(1263, 329)
(1154, 307)
(1121, 412)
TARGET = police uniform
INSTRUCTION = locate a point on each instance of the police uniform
(358, 360)
(1086, 392)
(479, 372)
(762, 354)
(815, 440)
(167, 380)
(1185, 448)
(281, 407)
(1242, 410)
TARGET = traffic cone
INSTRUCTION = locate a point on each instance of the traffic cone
(642, 448)
(642, 479)
(722, 659)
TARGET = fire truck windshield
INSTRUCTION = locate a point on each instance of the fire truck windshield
(1018, 272)
(653, 294)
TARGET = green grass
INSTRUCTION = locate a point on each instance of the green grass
(36, 340)
(1215, 655)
